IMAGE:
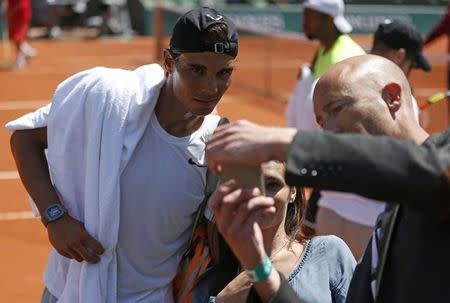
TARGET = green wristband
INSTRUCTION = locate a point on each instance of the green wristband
(262, 272)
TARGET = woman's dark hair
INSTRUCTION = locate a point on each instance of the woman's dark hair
(294, 216)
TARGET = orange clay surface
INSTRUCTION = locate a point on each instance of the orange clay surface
(23, 240)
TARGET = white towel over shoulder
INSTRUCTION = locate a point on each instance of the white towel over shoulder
(94, 122)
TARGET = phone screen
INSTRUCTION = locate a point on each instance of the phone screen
(245, 175)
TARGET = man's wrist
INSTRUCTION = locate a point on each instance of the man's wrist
(281, 140)
(53, 213)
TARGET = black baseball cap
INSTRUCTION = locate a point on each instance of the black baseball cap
(189, 33)
(400, 34)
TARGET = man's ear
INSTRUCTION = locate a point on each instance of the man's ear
(168, 62)
(392, 94)
(399, 55)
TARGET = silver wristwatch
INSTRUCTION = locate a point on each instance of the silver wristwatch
(53, 213)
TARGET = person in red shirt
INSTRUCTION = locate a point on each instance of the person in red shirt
(442, 28)
(19, 17)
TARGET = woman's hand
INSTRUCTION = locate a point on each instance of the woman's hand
(236, 291)
(236, 212)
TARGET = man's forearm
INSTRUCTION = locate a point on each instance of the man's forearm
(33, 169)
(280, 142)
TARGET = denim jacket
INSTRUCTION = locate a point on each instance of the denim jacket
(322, 275)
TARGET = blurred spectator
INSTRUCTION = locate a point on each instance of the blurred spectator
(115, 18)
(401, 43)
(56, 10)
(325, 21)
(442, 28)
(19, 17)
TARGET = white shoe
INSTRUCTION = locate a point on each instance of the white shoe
(21, 61)
(55, 32)
(27, 50)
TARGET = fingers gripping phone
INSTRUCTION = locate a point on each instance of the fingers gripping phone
(245, 175)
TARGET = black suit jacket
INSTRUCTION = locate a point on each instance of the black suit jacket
(417, 263)
(377, 167)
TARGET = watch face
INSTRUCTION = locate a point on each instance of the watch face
(54, 212)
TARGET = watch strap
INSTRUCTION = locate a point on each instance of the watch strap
(45, 217)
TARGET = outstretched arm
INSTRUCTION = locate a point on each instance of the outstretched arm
(377, 167)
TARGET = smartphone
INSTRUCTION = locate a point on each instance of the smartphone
(245, 175)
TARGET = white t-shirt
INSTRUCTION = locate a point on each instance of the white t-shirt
(160, 192)
(352, 207)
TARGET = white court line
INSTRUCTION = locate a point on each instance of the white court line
(14, 105)
(14, 215)
(9, 175)
(17, 215)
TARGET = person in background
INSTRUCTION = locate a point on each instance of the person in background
(441, 29)
(400, 42)
(323, 20)
(19, 17)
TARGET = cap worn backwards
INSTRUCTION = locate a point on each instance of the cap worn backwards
(189, 33)
(399, 34)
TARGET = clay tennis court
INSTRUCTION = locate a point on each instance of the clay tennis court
(23, 240)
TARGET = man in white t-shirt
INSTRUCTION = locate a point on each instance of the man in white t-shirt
(155, 182)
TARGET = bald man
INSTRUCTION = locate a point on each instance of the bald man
(348, 100)
(354, 220)
(352, 217)
(368, 94)
(407, 260)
